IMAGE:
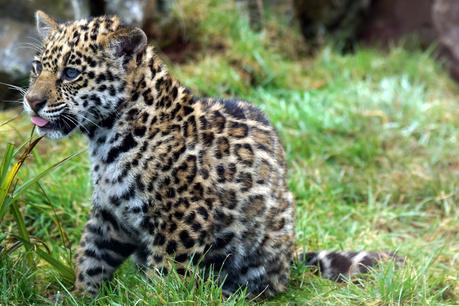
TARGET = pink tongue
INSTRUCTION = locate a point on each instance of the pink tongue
(39, 121)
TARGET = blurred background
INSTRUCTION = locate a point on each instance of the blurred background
(177, 26)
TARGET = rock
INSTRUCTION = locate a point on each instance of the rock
(391, 20)
(445, 16)
(61, 10)
(17, 44)
(339, 19)
(130, 11)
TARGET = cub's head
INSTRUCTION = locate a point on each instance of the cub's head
(80, 76)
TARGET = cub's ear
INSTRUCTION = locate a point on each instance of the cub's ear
(127, 42)
(45, 24)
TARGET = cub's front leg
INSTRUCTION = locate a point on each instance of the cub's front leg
(105, 244)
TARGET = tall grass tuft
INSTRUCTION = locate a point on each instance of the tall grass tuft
(11, 190)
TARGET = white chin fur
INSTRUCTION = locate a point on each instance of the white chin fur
(50, 134)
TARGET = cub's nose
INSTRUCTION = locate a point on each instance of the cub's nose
(36, 103)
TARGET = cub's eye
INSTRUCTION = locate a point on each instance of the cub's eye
(36, 67)
(70, 74)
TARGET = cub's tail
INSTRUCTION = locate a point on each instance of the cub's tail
(339, 266)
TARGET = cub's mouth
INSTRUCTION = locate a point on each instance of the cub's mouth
(63, 125)
(39, 121)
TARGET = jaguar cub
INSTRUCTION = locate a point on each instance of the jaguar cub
(178, 179)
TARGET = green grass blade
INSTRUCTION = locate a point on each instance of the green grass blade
(7, 251)
(63, 269)
(10, 178)
(4, 184)
(56, 220)
(6, 161)
(10, 120)
(22, 229)
(36, 178)
(5, 189)
(23, 233)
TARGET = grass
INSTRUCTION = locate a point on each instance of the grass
(372, 142)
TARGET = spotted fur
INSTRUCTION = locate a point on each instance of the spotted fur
(177, 178)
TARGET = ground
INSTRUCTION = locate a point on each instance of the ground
(372, 141)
